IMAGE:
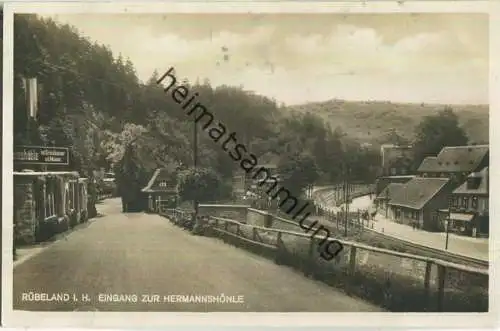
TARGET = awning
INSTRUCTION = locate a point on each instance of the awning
(461, 217)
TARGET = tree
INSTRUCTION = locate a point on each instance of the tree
(394, 138)
(435, 132)
(298, 173)
(130, 179)
(201, 184)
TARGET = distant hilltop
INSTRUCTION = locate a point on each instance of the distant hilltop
(372, 121)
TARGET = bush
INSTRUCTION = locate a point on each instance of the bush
(201, 185)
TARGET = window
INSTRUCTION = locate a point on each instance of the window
(465, 202)
(417, 215)
(474, 202)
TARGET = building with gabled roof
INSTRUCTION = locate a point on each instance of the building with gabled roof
(468, 210)
(416, 202)
(455, 162)
(382, 182)
(162, 187)
(396, 160)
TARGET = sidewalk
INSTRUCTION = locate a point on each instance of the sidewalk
(472, 247)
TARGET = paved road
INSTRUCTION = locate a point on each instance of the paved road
(144, 254)
(472, 247)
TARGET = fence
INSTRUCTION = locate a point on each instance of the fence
(358, 222)
(336, 192)
(399, 282)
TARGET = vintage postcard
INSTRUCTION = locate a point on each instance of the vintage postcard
(240, 163)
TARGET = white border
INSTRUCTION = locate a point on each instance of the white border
(104, 319)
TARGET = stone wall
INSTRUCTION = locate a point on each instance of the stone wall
(24, 210)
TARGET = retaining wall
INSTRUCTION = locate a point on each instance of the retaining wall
(399, 282)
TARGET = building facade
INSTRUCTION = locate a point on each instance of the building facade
(161, 190)
(416, 202)
(452, 185)
(468, 209)
(455, 163)
(396, 160)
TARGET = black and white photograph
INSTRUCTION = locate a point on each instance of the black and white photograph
(246, 161)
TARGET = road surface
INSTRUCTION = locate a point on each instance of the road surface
(467, 246)
(143, 254)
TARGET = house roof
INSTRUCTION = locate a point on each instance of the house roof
(415, 193)
(455, 159)
(428, 164)
(390, 191)
(160, 175)
(483, 184)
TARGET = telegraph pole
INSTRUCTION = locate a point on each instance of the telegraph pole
(346, 198)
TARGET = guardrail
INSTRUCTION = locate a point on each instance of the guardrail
(331, 217)
(383, 276)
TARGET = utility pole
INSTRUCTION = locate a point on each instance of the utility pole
(346, 198)
(447, 228)
(387, 201)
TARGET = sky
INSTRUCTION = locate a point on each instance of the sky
(299, 58)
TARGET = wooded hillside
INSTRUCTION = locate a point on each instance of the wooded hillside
(92, 101)
(372, 121)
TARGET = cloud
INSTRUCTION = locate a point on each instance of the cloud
(340, 60)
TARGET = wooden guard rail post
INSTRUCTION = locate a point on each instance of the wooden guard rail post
(279, 249)
(441, 285)
(352, 260)
(427, 284)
